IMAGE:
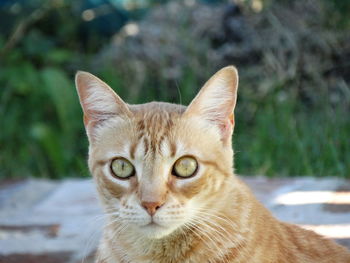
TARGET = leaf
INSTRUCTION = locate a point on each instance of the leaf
(63, 95)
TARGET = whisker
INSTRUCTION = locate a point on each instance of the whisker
(205, 233)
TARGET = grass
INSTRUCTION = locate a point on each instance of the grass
(283, 140)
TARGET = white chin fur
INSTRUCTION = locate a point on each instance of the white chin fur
(155, 231)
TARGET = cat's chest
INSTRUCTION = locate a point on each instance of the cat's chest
(167, 253)
(185, 250)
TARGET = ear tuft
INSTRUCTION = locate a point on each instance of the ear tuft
(98, 100)
(216, 101)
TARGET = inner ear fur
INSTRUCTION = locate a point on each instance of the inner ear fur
(99, 102)
(216, 100)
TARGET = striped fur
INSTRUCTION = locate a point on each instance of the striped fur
(210, 217)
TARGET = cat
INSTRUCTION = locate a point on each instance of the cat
(165, 177)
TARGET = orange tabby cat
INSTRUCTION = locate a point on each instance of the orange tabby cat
(164, 174)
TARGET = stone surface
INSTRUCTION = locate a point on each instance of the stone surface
(60, 221)
(53, 221)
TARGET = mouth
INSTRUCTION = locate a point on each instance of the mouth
(153, 224)
(154, 230)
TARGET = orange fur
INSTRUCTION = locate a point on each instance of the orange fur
(210, 217)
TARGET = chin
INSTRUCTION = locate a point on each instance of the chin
(156, 231)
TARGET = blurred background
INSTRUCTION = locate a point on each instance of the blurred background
(292, 116)
(293, 57)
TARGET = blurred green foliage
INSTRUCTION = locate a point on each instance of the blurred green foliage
(41, 128)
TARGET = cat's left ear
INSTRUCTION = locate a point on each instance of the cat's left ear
(216, 101)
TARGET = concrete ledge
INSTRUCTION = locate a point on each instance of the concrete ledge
(60, 221)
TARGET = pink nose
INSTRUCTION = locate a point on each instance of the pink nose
(152, 207)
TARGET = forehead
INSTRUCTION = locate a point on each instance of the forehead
(156, 129)
(152, 126)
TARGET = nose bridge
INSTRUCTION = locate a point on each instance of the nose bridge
(153, 187)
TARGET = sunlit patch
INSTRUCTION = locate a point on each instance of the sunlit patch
(257, 5)
(313, 197)
(88, 15)
(330, 231)
(131, 29)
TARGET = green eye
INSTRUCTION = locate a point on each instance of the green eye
(122, 168)
(185, 167)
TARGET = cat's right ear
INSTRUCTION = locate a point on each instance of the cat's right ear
(216, 101)
(98, 100)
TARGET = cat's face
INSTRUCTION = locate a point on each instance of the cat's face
(159, 166)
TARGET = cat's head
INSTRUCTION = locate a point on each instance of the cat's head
(160, 166)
